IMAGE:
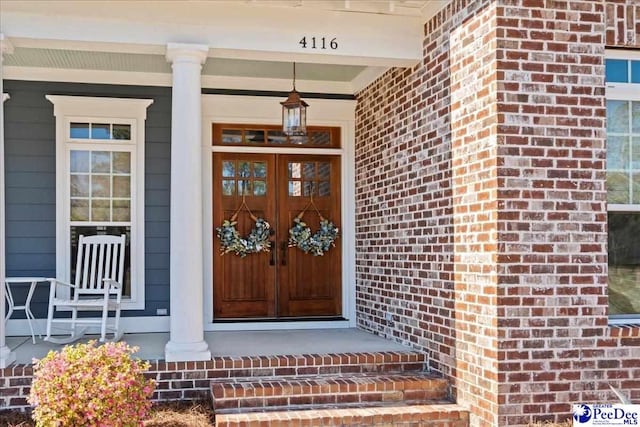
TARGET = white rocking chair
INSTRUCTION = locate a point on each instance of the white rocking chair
(97, 287)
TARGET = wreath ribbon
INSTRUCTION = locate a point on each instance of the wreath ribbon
(242, 206)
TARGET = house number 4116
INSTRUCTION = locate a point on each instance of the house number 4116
(318, 43)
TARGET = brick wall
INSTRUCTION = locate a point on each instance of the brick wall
(481, 207)
(552, 256)
(191, 380)
(622, 23)
(474, 153)
(404, 211)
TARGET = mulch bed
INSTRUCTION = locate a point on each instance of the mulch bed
(165, 414)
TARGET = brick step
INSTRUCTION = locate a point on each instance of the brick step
(259, 394)
(317, 364)
(438, 415)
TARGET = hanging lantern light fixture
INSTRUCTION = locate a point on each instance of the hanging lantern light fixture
(294, 112)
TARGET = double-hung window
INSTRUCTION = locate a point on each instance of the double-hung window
(623, 184)
(100, 181)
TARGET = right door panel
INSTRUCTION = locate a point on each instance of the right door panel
(308, 285)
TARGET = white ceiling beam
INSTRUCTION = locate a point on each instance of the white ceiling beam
(228, 28)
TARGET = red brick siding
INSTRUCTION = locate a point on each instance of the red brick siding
(405, 243)
(552, 257)
(404, 212)
(481, 207)
(474, 119)
(622, 23)
(191, 380)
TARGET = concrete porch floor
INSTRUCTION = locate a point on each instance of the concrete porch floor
(236, 343)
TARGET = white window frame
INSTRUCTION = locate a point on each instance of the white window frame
(623, 92)
(87, 109)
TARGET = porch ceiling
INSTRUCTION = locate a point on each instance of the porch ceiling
(152, 63)
(252, 43)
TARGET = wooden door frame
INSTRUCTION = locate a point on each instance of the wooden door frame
(259, 110)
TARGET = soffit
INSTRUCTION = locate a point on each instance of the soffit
(150, 63)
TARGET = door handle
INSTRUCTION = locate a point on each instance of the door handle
(272, 259)
(283, 253)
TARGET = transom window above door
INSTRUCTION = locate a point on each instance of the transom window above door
(272, 136)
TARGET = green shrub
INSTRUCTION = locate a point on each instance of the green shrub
(90, 386)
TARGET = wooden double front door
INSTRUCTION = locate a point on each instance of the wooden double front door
(285, 282)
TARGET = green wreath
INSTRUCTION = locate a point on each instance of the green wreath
(318, 243)
(231, 241)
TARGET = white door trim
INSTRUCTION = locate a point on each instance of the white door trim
(267, 110)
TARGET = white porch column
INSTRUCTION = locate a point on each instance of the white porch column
(186, 341)
(6, 355)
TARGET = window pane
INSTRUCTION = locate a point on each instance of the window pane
(228, 187)
(618, 153)
(122, 186)
(624, 263)
(618, 116)
(100, 161)
(100, 210)
(295, 170)
(321, 138)
(617, 187)
(79, 161)
(231, 136)
(635, 190)
(635, 153)
(259, 188)
(635, 117)
(309, 188)
(309, 170)
(121, 132)
(100, 186)
(324, 189)
(616, 70)
(228, 169)
(276, 137)
(254, 136)
(100, 131)
(299, 140)
(635, 71)
(244, 187)
(260, 169)
(79, 130)
(79, 210)
(324, 169)
(121, 162)
(244, 169)
(121, 210)
(295, 188)
(79, 185)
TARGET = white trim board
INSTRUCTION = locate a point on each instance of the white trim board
(134, 112)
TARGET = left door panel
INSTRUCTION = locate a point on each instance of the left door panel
(243, 287)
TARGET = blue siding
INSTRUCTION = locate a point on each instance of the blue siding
(30, 179)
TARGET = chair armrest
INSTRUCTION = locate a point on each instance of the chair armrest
(53, 287)
(54, 281)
